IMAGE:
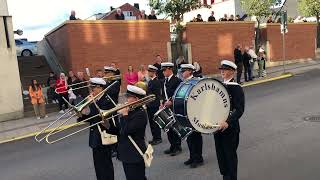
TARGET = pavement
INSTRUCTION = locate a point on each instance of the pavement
(27, 127)
(275, 142)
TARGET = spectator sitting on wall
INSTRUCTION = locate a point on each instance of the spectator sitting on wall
(73, 16)
(231, 18)
(225, 18)
(131, 76)
(198, 71)
(238, 18)
(51, 79)
(152, 15)
(270, 19)
(142, 15)
(199, 18)
(211, 18)
(119, 15)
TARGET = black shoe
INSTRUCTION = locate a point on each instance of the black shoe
(188, 162)
(156, 142)
(168, 151)
(196, 164)
(176, 151)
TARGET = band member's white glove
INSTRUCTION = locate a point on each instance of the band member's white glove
(223, 126)
(85, 111)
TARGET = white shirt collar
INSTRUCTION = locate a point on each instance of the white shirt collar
(189, 77)
(169, 77)
(153, 78)
(227, 81)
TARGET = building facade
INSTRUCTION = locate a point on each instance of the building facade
(11, 105)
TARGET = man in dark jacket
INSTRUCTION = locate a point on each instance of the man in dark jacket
(119, 15)
(170, 85)
(101, 153)
(211, 18)
(131, 123)
(158, 65)
(239, 62)
(227, 138)
(246, 64)
(152, 15)
(154, 87)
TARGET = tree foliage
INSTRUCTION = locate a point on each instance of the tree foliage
(309, 7)
(175, 8)
(258, 8)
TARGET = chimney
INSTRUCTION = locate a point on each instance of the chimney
(111, 8)
(136, 5)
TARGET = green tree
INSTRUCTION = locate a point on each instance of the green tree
(258, 8)
(311, 8)
(175, 9)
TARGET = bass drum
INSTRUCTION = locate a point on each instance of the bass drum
(201, 104)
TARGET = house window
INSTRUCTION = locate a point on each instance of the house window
(6, 31)
(128, 13)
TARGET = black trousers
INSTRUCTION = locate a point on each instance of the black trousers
(226, 149)
(195, 142)
(239, 72)
(103, 163)
(247, 72)
(61, 101)
(134, 171)
(174, 139)
(155, 129)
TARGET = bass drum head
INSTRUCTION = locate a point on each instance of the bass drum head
(208, 104)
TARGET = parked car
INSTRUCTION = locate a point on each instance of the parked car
(25, 48)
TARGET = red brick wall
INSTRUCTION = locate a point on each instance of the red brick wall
(300, 41)
(125, 7)
(213, 42)
(95, 44)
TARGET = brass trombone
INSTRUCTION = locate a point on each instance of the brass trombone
(105, 114)
(77, 109)
(85, 84)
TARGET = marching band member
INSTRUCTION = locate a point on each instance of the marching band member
(101, 153)
(114, 91)
(154, 87)
(171, 83)
(112, 96)
(132, 123)
(227, 138)
(194, 140)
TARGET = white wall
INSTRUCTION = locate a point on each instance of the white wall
(3, 8)
(11, 105)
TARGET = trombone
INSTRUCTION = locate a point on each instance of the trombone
(85, 84)
(77, 108)
(104, 114)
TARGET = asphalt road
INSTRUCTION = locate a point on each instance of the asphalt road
(275, 143)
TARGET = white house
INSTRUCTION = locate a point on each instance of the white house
(11, 106)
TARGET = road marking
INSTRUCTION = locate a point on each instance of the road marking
(67, 126)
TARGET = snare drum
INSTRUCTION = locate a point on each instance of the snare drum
(201, 104)
(183, 132)
(164, 118)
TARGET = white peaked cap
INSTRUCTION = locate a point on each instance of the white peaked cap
(98, 81)
(187, 66)
(228, 64)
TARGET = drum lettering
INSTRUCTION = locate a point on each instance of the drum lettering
(217, 89)
(213, 87)
(202, 88)
(194, 97)
(199, 91)
(222, 94)
(206, 86)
